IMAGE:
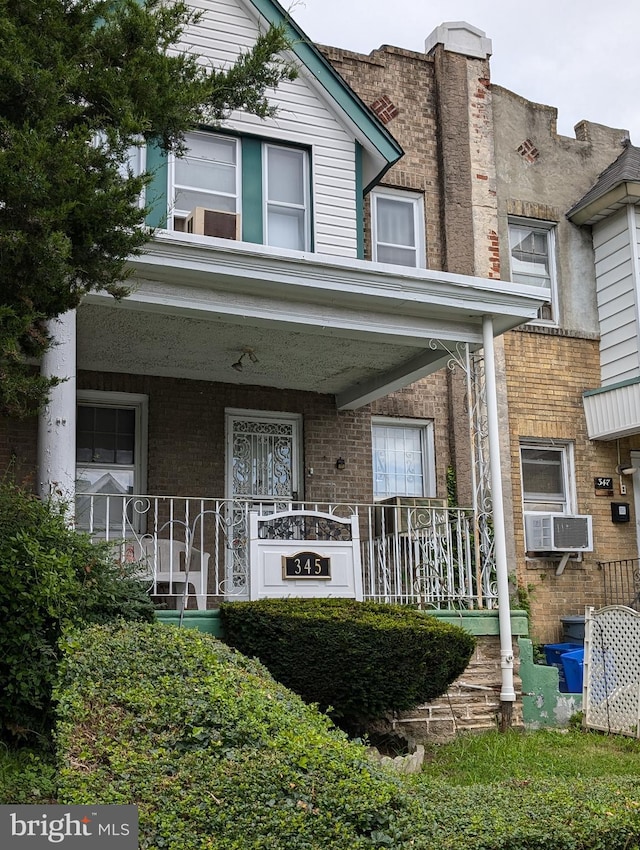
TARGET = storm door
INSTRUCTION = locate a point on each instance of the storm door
(262, 473)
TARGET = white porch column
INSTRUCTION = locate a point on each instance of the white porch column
(507, 694)
(57, 420)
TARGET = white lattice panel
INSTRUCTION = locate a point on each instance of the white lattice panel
(612, 670)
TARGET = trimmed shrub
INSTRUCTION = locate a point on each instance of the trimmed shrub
(51, 577)
(357, 660)
(218, 755)
(211, 749)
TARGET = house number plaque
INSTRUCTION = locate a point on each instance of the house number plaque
(603, 486)
(306, 565)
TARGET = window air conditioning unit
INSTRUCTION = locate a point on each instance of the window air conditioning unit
(203, 222)
(557, 532)
(396, 514)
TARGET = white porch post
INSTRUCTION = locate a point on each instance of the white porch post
(507, 693)
(57, 420)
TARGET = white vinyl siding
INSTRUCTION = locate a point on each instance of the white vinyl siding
(303, 118)
(614, 242)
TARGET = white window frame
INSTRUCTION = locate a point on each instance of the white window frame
(139, 403)
(183, 213)
(416, 201)
(549, 229)
(267, 203)
(565, 449)
(426, 429)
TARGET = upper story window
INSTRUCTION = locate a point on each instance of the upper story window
(207, 179)
(547, 477)
(532, 256)
(242, 188)
(397, 228)
(286, 197)
(402, 457)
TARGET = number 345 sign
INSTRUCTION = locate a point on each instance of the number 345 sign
(304, 565)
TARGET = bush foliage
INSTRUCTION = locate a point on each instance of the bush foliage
(360, 660)
(218, 755)
(51, 577)
(212, 750)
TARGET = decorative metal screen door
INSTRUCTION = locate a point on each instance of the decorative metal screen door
(262, 473)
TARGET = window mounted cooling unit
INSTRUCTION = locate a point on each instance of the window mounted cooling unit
(205, 222)
(557, 532)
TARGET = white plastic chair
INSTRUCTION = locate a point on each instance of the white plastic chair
(163, 561)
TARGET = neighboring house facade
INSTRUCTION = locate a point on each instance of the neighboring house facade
(498, 192)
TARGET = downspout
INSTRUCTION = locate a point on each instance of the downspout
(507, 692)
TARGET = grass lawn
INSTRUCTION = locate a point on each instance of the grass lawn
(29, 776)
(497, 757)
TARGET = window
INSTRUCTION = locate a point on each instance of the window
(397, 223)
(547, 477)
(532, 248)
(221, 177)
(207, 177)
(110, 433)
(402, 458)
(286, 197)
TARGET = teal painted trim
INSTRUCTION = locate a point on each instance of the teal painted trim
(208, 622)
(156, 192)
(366, 121)
(542, 703)
(483, 623)
(630, 382)
(359, 202)
(252, 213)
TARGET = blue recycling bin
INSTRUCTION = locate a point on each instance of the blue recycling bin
(553, 653)
(573, 664)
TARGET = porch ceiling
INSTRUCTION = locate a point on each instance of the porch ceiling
(355, 329)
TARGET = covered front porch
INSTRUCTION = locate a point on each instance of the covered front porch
(237, 377)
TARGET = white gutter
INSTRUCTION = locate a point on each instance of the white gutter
(507, 693)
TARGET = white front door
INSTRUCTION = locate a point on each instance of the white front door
(263, 471)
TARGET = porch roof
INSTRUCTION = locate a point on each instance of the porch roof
(352, 328)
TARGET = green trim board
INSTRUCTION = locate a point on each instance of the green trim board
(366, 121)
(252, 211)
(630, 382)
(483, 622)
(156, 192)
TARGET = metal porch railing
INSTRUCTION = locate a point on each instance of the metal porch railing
(197, 549)
(621, 581)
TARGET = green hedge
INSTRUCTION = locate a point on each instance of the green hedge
(213, 751)
(359, 660)
(217, 755)
(51, 577)
(527, 815)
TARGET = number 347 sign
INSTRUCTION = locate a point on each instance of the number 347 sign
(305, 565)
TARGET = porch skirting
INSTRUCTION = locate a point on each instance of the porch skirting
(472, 703)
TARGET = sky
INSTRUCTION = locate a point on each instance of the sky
(580, 56)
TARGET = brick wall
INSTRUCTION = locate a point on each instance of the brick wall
(406, 79)
(186, 440)
(546, 402)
